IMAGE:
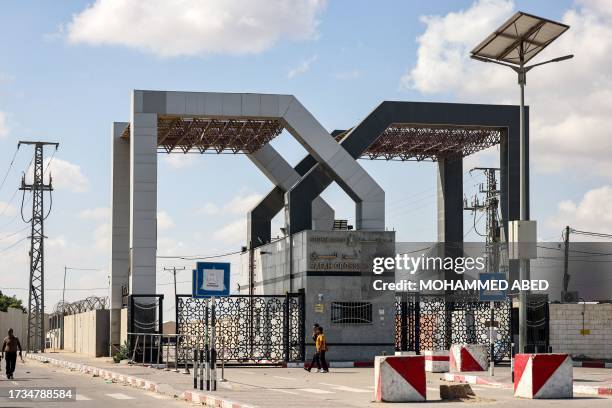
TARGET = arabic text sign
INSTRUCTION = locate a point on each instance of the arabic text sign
(211, 279)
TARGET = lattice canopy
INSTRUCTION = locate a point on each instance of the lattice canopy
(406, 141)
(225, 135)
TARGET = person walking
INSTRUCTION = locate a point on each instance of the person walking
(315, 356)
(321, 344)
(9, 351)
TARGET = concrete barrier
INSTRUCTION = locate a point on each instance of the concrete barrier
(543, 376)
(436, 361)
(399, 379)
(469, 357)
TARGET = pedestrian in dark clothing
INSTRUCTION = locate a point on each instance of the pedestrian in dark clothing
(9, 351)
(315, 356)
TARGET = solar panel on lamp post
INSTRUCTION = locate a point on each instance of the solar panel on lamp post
(514, 44)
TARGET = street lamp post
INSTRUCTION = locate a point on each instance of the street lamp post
(512, 45)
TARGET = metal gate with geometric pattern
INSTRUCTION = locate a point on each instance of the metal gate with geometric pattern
(434, 322)
(248, 329)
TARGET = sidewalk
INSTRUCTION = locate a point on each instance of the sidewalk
(245, 386)
(591, 381)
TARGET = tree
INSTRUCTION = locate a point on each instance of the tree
(10, 301)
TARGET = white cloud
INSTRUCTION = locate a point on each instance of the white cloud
(302, 68)
(569, 102)
(65, 175)
(164, 221)
(592, 213)
(98, 214)
(180, 161)
(4, 130)
(232, 233)
(239, 205)
(193, 27)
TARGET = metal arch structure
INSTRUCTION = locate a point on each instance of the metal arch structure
(487, 124)
(207, 122)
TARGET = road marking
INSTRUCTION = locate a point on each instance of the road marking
(345, 388)
(14, 383)
(433, 389)
(284, 378)
(81, 397)
(119, 396)
(283, 391)
(158, 396)
(245, 372)
(315, 391)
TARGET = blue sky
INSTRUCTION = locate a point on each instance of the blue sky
(63, 79)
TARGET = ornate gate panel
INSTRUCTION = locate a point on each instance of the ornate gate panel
(434, 322)
(248, 329)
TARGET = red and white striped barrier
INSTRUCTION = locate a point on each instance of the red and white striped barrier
(469, 357)
(543, 376)
(399, 379)
(436, 361)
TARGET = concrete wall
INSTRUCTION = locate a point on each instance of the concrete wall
(566, 325)
(87, 333)
(17, 320)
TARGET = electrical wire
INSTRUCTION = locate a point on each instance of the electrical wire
(197, 257)
(14, 244)
(15, 233)
(9, 168)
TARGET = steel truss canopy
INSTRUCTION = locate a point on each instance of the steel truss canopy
(180, 134)
(419, 142)
(519, 39)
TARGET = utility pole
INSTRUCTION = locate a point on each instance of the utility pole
(566, 276)
(490, 205)
(36, 298)
(173, 270)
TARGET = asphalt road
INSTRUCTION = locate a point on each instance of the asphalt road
(264, 387)
(90, 392)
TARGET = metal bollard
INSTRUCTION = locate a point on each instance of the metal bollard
(201, 370)
(167, 368)
(213, 364)
(207, 354)
(144, 348)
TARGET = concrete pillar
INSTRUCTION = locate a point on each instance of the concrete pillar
(450, 223)
(450, 200)
(143, 202)
(120, 227)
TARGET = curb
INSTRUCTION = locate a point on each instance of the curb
(474, 379)
(592, 364)
(147, 385)
(336, 364)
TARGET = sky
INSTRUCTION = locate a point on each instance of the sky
(67, 70)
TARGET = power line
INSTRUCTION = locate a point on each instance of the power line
(9, 168)
(14, 244)
(75, 289)
(15, 233)
(197, 257)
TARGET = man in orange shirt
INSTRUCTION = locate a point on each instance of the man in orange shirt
(321, 344)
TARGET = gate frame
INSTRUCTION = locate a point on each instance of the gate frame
(301, 327)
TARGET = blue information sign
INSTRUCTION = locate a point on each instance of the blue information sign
(492, 295)
(211, 279)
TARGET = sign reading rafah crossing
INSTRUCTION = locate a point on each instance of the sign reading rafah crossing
(211, 279)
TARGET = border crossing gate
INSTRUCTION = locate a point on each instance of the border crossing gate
(248, 328)
(434, 322)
